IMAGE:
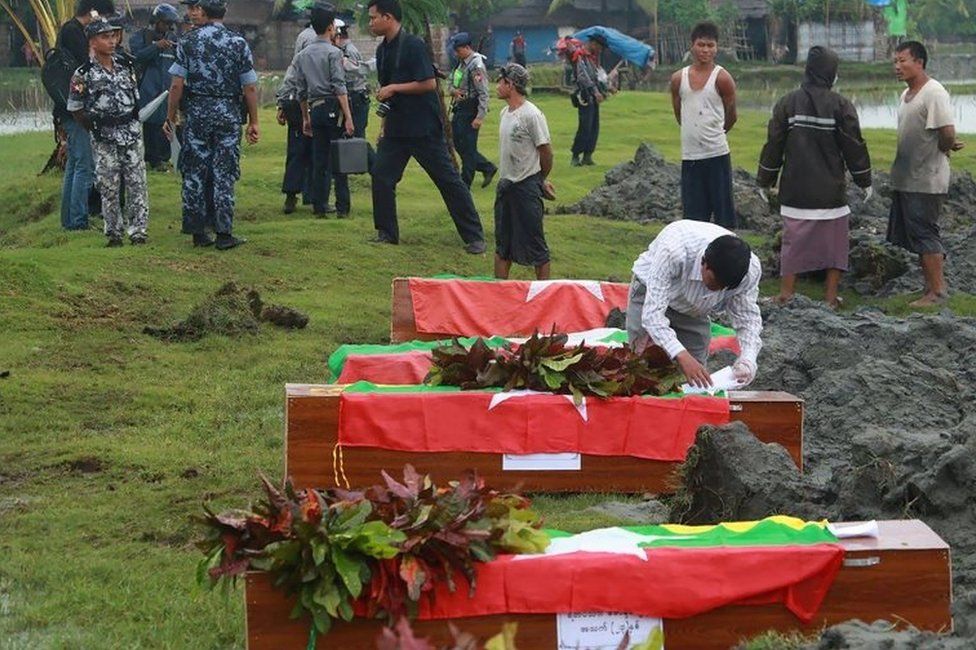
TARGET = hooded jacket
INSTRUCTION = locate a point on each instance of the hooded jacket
(814, 138)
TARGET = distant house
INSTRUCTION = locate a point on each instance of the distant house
(755, 16)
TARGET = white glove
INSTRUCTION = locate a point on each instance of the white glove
(744, 371)
(762, 195)
(868, 193)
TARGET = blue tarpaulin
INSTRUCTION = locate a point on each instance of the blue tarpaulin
(878, 3)
(630, 49)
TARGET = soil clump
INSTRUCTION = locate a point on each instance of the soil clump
(230, 311)
(889, 433)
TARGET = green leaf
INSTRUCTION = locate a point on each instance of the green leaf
(560, 364)
(318, 551)
(348, 570)
(379, 540)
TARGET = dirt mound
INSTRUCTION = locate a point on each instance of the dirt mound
(889, 433)
(230, 311)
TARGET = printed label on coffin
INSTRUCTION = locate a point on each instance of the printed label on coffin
(605, 631)
(540, 462)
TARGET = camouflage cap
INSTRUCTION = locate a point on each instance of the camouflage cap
(99, 25)
(517, 75)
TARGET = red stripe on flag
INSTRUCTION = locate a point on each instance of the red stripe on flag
(643, 427)
(472, 308)
(401, 368)
(672, 583)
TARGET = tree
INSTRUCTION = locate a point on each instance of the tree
(49, 15)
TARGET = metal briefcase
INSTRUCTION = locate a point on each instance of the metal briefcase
(349, 156)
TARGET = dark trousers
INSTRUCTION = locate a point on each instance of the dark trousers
(392, 157)
(298, 156)
(157, 144)
(588, 128)
(466, 144)
(359, 107)
(324, 131)
(706, 190)
(694, 333)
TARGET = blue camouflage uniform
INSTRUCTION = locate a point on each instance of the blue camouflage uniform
(154, 63)
(215, 64)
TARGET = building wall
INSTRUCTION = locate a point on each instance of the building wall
(851, 41)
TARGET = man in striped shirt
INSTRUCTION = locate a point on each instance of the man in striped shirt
(693, 269)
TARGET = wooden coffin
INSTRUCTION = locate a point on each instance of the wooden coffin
(312, 460)
(903, 577)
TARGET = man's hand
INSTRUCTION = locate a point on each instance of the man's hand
(307, 126)
(957, 145)
(280, 116)
(350, 128)
(548, 191)
(457, 94)
(252, 133)
(694, 372)
(743, 371)
(477, 122)
(164, 44)
(868, 193)
(599, 97)
(385, 93)
(168, 129)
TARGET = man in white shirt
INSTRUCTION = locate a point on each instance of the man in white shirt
(920, 173)
(524, 165)
(693, 269)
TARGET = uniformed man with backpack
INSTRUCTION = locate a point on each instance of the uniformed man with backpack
(469, 105)
(154, 49)
(104, 100)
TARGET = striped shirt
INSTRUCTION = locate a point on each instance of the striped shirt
(671, 270)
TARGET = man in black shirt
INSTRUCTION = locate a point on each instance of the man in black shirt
(412, 127)
(79, 166)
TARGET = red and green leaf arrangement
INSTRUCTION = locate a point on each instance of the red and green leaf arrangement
(545, 363)
(374, 552)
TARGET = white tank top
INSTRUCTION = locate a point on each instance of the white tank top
(702, 119)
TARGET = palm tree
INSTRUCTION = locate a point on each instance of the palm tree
(49, 14)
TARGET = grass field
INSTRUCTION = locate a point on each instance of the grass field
(110, 439)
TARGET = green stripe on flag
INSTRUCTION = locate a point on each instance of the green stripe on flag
(338, 358)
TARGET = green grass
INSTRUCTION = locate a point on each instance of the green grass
(110, 439)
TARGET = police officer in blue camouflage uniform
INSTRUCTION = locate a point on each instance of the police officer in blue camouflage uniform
(212, 75)
(469, 106)
(154, 49)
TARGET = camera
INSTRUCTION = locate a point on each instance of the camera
(383, 109)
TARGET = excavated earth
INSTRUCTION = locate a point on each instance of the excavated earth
(648, 189)
(890, 432)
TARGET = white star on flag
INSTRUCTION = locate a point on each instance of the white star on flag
(538, 286)
(504, 396)
(602, 540)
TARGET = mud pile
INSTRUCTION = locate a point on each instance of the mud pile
(648, 188)
(230, 311)
(890, 432)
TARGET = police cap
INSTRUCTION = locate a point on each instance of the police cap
(460, 40)
(99, 25)
(165, 13)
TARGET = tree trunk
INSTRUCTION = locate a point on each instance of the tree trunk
(448, 132)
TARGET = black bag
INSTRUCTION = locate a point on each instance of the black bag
(59, 66)
(349, 156)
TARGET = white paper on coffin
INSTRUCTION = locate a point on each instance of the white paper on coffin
(862, 529)
(603, 630)
(566, 461)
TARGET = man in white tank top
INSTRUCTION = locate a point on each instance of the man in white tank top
(703, 97)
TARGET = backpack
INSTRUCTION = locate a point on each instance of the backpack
(56, 73)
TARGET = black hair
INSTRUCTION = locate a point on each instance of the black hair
(104, 8)
(728, 257)
(391, 7)
(213, 12)
(916, 49)
(705, 29)
(322, 18)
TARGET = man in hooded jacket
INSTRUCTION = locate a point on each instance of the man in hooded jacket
(814, 139)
